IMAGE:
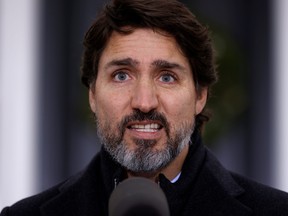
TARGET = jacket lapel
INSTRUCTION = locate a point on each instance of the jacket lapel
(76, 199)
(215, 192)
(80, 195)
(87, 193)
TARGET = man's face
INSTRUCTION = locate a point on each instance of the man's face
(144, 100)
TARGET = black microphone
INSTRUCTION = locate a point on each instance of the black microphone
(138, 196)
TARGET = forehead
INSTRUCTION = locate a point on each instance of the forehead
(144, 45)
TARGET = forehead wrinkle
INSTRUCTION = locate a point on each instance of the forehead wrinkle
(122, 62)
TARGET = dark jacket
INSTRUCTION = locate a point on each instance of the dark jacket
(204, 188)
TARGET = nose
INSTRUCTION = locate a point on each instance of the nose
(144, 97)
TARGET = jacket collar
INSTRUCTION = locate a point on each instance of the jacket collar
(210, 188)
(206, 185)
(215, 192)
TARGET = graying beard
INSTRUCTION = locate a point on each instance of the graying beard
(145, 159)
(148, 161)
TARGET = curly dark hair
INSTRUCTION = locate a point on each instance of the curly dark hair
(169, 16)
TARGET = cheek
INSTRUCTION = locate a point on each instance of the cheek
(180, 112)
(180, 106)
(109, 107)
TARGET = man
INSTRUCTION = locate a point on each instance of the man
(149, 66)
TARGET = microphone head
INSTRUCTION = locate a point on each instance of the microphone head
(138, 196)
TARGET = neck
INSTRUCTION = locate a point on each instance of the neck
(170, 172)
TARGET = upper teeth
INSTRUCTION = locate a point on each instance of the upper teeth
(146, 126)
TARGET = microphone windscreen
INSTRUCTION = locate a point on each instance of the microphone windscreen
(138, 196)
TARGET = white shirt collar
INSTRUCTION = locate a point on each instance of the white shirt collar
(176, 178)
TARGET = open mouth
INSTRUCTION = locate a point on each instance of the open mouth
(145, 127)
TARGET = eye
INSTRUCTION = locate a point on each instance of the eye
(167, 78)
(121, 76)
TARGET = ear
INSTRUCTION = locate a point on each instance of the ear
(201, 99)
(92, 100)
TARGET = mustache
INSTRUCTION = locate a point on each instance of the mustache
(138, 115)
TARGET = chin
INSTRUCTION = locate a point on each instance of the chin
(148, 174)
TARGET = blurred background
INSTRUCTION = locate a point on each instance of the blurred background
(46, 129)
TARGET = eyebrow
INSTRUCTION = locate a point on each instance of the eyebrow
(122, 62)
(166, 64)
(158, 64)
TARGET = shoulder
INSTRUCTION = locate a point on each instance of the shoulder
(261, 199)
(30, 206)
(265, 198)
